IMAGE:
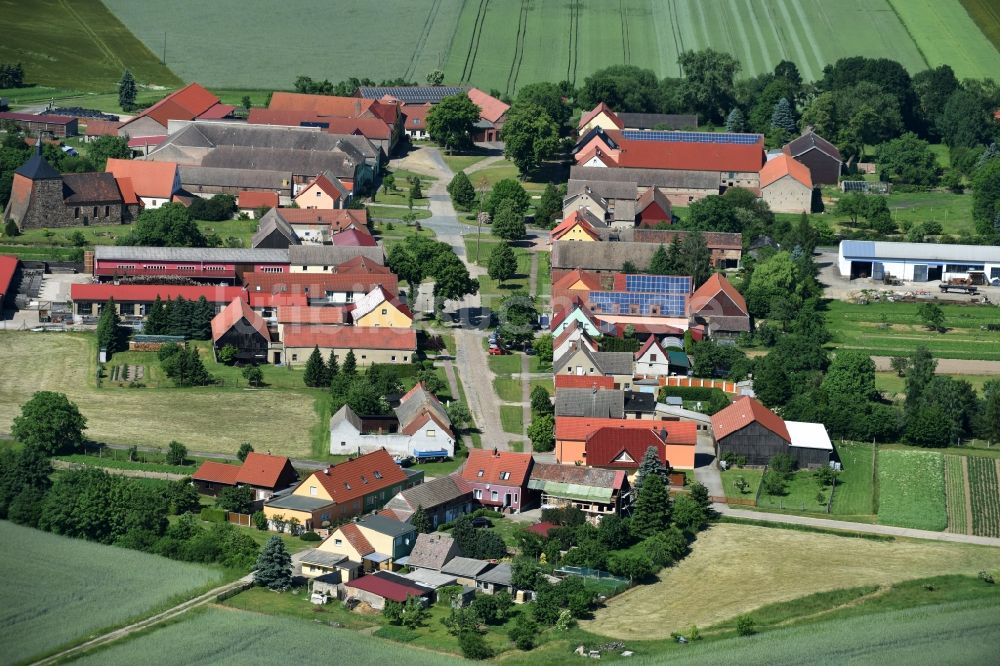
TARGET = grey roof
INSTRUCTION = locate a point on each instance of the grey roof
(298, 503)
(209, 134)
(415, 402)
(576, 475)
(624, 210)
(239, 255)
(432, 579)
(676, 178)
(345, 413)
(604, 189)
(465, 567)
(410, 94)
(501, 574)
(268, 224)
(600, 403)
(296, 162)
(807, 142)
(604, 256)
(671, 121)
(331, 255)
(613, 363)
(637, 401)
(430, 495)
(432, 551)
(723, 323)
(194, 176)
(920, 251)
(322, 558)
(36, 168)
(387, 526)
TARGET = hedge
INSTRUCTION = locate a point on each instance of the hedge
(210, 515)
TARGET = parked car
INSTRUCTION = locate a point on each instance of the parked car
(530, 351)
(498, 351)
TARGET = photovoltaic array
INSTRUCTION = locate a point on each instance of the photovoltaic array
(411, 94)
(692, 137)
(623, 302)
(664, 284)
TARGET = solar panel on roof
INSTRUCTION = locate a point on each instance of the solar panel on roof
(411, 94)
(622, 302)
(666, 284)
(692, 137)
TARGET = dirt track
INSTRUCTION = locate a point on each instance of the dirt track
(949, 366)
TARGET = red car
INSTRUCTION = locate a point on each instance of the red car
(498, 351)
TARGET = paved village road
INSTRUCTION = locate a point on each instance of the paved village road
(826, 523)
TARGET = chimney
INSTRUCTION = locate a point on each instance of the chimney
(496, 453)
(663, 435)
(326, 471)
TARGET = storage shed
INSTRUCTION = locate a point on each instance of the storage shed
(916, 262)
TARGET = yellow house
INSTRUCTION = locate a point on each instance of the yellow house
(324, 193)
(378, 309)
(374, 543)
(600, 116)
(576, 227)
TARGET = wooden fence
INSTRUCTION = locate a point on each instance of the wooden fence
(242, 519)
(698, 382)
(738, 501)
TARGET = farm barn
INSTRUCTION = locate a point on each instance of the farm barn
(916, 262)
(241, 327)
(819, 155)
(749, 429)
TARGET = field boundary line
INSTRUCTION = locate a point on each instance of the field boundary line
(515, 63)
(98, 42)
(906, 29)
(422, 39)
(968, 495)
(470, 58)
(122, 632)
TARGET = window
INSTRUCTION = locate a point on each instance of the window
(271, 269)
(404, 359)
(363, 479)
(95, 211)
(318, 193)
(494, 495)
(338, 542)
(393, 358)
(478, 494)
(295, 357)
(326, 268)
(962, 268)
(304, 267)
(76, 212)
(342, 443)
(652, 358)
(504, 476)
(378, 474)
(107, 211)
(363, 357)
(480, 473)
(431, 432)
(515, 497)
(347, 485)
(312, 491)
(384, 311)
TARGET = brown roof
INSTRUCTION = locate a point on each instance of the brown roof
(322, 105)
(338, 219)
(710, 289)
(615, 447)
(715, 240)
(809, 140)
(360, 476)
(316, 284)
(215, 472)
(232, 314)
(150, 179)
(582, 381)
(590, 281)
(348, 337)
(313, 315)
(579, 475)
(416, 115)
(486, 466)
(689, 155)
(90, 188)
(743, 412)
(356, 538)
(260, 469)
(651, 196)
(98, 127)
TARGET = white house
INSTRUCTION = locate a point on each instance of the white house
(916, 262)
(652, 360)
(565, 341)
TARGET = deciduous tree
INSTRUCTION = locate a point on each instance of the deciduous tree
(530, 136)
(50, 422)
(502, 265)
(451, 121)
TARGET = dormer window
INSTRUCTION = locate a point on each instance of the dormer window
(378, 474)
(363, 479)
(480, 473)
(504, 476)
(347, 485)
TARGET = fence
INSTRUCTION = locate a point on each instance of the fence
(737, 501)
(608, 584)
(241, 519)
(698, 382)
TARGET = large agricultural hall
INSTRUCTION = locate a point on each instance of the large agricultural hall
(916, 262)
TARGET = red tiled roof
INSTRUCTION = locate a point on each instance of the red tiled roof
(651, 329)
(338, 219)
(572, 220)
(597, 110)
(348, 337)
(580, 381)
(260, 299)
(248, 199)
(684, 155)
(98, 127)
(372, 128)
(416, 115)
(353, 238)
(150, 179)
(231, 315)
(8, 266)
(260, 469)
(322, 105)
(387, 589)
(358, 477)
(492, 464)
(605, 446)
(785, 165)
(128, 191)
(323, 183)
(313, 315)
(607, 159)
(590, 280)
(650, 341)
(187, 103)
(743, 412)
(214, 472)
(217, 112)
(145, 141)
(361, 265)
(315, 284)
(357, 539)
(142, 293)
(710, 289)
(578, 428)
(490, 108)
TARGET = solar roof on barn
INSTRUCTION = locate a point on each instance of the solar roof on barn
(671, 284)
(410, 94)
(692, 137)
(671, 305)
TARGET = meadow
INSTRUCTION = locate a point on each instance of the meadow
(79, 46)
(854, 494)
(58, 590)
(894, 329)
(911, 489)
(955, 493)
(227, 636)
(213, 419)
(734, 569)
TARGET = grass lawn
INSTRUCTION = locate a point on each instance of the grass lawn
(854, 326)
(801, 495)
(854, 493)
(911, 489)
(396, 213)
(461, 162)
(214, 419)
(547, 384)
(508, 389)
(706, 588)
(506, 364)
(60, 590)
(295, 603)
(892, 385)
(751, 476)
(229, 636)
(512, 419)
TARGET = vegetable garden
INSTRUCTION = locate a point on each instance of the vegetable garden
(984, 491)
(912, 489)
(954, 477)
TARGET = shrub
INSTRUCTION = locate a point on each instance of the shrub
(745, 626)
(210, 515)
(310, 536)
(260, 521)
(986, 577)
(474, 646)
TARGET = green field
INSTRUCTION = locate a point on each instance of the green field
(946, 33)
(214, 419)
(911, 489)
(853, 496)
(77, 45)
(856, 326)
(954, 484)
(229, 636)
(984, 491)
(58, 590)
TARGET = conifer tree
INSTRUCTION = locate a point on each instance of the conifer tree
(350, 368)
(156, 318)
(461, 190)
(736, 121)
(650, 465)
(332, 368)
(659, 264)
(126, 91)
(274, 566)
(107, 327)
(315, 374)
(421, 521)
(652, 509)
(783, 117)
(549, 206)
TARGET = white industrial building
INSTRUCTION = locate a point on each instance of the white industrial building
(916, 262)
